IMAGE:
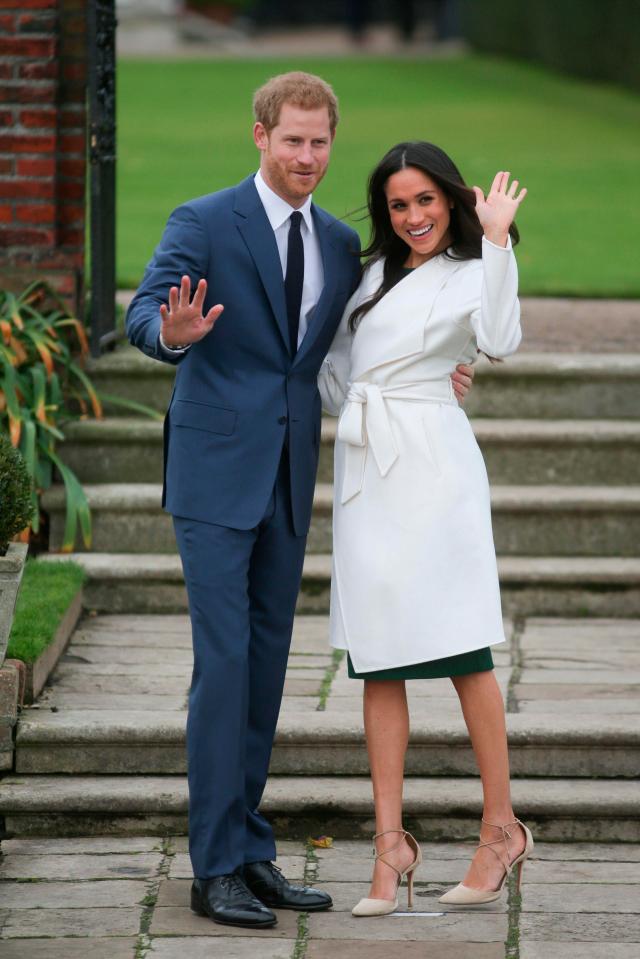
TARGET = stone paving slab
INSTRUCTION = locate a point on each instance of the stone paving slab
(577, 676)
(368, 949)
(566, 691)
(97, 845)
(180, 921)
(581, 927)
(129, 623)
(63, 948)
(59, 923)
(584, 897)
(134, 640)
(449, 927)
(221, 947)
(587, 852)
(540, 871)
(82, 895)
(62, 699)
(579, 709)
(573, 950)
(108, 866)
(87, 684)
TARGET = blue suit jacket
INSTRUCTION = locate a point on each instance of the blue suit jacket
(239, 390)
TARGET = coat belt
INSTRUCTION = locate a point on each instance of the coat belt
(364, 421)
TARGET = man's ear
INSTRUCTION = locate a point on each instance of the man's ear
(260, 136)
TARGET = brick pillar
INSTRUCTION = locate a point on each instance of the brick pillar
(43, 63)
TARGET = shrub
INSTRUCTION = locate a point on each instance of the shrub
(16, 494)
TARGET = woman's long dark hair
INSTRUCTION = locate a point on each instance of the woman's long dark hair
(464, 227)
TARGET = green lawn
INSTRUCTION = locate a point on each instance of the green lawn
(185, 129)
(45, 594)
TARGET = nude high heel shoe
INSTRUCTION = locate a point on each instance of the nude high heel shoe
(383, 907)
(463, 895)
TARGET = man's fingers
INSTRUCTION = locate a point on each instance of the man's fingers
(164, 313)
(173, 299)
(467, 370)
(199, 295)
(185, 291)
(213, 314)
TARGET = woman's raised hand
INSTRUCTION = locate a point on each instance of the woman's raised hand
(497, 212)
(183, 322)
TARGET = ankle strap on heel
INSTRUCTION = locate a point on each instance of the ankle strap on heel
(506, 835)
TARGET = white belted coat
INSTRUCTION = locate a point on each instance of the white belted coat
(414, 568)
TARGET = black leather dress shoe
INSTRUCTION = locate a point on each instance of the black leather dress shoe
(226, 900)
(267, 883)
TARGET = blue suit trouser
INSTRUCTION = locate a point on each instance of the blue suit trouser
(242, 587)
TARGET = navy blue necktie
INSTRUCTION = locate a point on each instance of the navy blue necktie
(294, 278)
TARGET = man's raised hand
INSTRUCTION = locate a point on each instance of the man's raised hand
(182, 321)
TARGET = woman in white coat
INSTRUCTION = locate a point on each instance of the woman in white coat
(415, 589)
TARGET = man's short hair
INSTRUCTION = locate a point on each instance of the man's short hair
(300, 90)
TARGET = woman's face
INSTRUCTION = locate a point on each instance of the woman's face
(420, 214)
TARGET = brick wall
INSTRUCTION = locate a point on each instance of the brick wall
(42, 144)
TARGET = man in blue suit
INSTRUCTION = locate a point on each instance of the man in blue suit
(271, 274)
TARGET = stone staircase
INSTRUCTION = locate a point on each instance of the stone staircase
(561, 437)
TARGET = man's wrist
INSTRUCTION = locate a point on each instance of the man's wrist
(177, 348)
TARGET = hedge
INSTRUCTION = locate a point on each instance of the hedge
(595, 39)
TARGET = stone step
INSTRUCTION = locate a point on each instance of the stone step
(317, 743)
(561, 810)
(527, 520)
(527, 385)
(531, 586)
(517, 452)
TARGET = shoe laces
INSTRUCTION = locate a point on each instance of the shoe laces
(234, 883)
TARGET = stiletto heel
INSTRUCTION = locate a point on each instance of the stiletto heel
(383, 907)
(463, 895)
(410, 889)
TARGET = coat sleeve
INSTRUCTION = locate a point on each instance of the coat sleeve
(182, 251)
(496, 321)
(333, 378)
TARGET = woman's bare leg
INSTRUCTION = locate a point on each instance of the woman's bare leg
(386, 723)
(483, 711)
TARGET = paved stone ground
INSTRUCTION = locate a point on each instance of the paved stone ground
(114, 898)
(117, 897)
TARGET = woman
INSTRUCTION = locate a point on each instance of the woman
(415, 589)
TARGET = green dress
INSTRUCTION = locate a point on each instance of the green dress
(477, 661)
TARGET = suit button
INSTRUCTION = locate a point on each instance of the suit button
(282, 420)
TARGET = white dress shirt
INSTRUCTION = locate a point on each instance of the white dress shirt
(278, 213)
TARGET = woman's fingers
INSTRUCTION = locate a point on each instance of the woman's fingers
(513, 189)
(497, 180)
(479, 195)
(521, 195)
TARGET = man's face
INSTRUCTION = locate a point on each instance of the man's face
(295, 153)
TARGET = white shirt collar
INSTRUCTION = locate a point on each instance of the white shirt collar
(278, 210)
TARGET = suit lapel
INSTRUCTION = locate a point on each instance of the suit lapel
(330, 264)
(255, 229)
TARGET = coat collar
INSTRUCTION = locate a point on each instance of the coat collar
(394, 328)
(257, 233)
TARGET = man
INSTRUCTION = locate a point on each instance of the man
(242, 437)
